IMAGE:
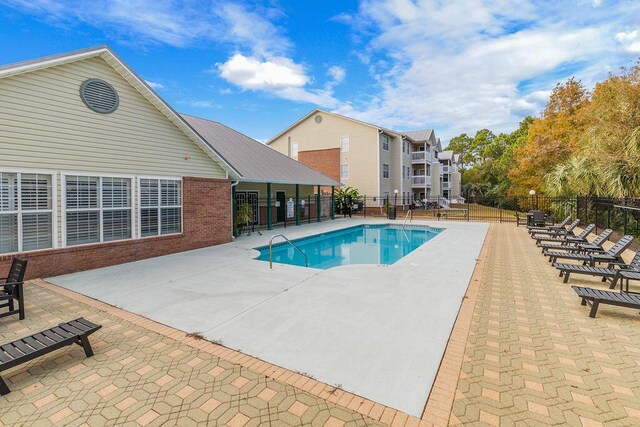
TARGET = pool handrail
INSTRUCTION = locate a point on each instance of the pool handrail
(409, 212)
(306, 259)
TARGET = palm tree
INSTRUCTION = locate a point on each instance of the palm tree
(610, 169)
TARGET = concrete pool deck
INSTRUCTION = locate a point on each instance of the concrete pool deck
(377, 331)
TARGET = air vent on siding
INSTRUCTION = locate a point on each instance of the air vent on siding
(99, 96)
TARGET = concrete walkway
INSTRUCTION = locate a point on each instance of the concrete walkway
(376, 331)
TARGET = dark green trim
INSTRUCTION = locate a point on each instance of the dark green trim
(319, 207)
(297, 204)
(333, 202)
(269, 219)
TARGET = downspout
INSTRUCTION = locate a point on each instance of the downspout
(233, 204)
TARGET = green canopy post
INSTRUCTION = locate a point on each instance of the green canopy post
(319, 208)
(297, 204)
(333, 202)
(269, 219)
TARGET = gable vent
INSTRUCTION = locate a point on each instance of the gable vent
(99, 96)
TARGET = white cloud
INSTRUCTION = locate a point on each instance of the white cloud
(155, 85)
(630, 41)
(463, 65)
(256, 74)
(279, 76)
(260, 64)
(203, 104)
(172, 22)
(337, 73)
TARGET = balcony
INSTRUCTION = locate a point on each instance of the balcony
(421, 181)
(420, 157)
(446, 185)
(445, 169)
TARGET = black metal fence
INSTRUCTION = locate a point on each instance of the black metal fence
(620, 214)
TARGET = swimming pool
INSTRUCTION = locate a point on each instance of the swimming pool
(362, 244)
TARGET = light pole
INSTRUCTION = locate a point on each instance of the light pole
(532, 193)
(395, 198)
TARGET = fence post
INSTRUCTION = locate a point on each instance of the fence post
(500, 213)
(364, 208)
(309, 208)
(625, 216)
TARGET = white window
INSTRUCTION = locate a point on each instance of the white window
(97, 209)
(408, 172)
(386, 196)
(294, 151)
(344, 171)
(385, 142)
(160, 206)
(404, 173)
(404, 147)
(344, 143)
(385, 170)
(26, 214)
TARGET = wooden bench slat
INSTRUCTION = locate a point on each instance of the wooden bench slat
(82, 324)
(23, 347)
(72, 329)
(87, 324)
(52, 336)
(4, 358)
(46, 341)
(33, 343)
(12, 351)
(63, 333)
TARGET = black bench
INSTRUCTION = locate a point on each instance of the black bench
(12, 289)
(29, 348)
(594, 297)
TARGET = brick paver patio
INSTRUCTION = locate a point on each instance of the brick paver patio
(523, 351)
(534, 357)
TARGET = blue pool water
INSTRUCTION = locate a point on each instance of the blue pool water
(363, 244)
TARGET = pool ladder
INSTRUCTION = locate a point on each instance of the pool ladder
(306, 260)
(408, 216)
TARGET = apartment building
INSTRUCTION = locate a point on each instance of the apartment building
(372, 159)
(450, 176)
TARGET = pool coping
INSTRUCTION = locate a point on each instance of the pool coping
(440, 400)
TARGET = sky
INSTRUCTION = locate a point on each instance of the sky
(258, 66)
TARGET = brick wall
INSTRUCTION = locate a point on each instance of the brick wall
(206, 218)
(326, 162)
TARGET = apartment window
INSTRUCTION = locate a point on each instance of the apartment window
(386, 196)
(344, 171)
(408, 172)
(97, 209)
(294, 151)
(160, 206)
(26, 214)
(404, 173)
(344, 143)
(385, 142)
(385, 170)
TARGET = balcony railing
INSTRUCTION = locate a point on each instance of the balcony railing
(445, 169)
(421, 180)
(446, 185)
(421, 156)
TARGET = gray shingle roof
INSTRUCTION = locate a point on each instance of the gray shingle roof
(419, 135)
(446, 155)
(255, 161)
